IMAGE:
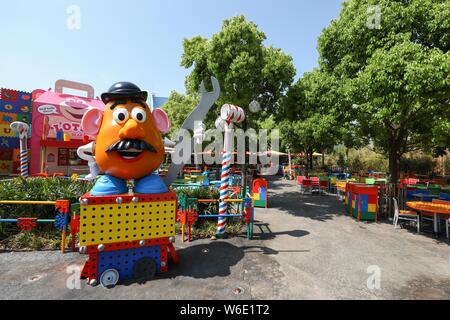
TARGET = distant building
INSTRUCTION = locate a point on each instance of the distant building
(156, 102)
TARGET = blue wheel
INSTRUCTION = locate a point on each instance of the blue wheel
(109, 278)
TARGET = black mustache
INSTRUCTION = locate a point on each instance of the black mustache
(124, 145)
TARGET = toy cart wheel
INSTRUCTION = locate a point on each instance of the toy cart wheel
(109, 278)
(144, 270)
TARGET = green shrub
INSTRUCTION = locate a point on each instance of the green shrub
(199, 193)
(418, 164)
(365, 159)
(208, 228)
(43, 189)
(35, 189)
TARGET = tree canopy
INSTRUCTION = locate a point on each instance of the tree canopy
(385, 83)
(395, 77)
(310, 105)
(247, 70)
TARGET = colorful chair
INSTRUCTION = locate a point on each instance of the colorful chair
(300, 179)
(260, 193)
(315, 184)
(323, 185)
(333, 185)
(405, 215)
(306, 185)
(444, 196)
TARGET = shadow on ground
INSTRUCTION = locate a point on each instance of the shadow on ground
(315, 207)
(276, 183)
(262, 231)
(216, 259)
(427, 229)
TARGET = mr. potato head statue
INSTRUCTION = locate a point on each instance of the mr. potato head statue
(128, 143)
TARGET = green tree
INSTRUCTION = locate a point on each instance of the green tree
(441, 136)
(396, 76)
(246, 69)
(309, 104)
(178, 107)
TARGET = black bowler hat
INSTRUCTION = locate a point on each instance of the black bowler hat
(124, 90)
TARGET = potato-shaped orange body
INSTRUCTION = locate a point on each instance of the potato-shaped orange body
(123, 122)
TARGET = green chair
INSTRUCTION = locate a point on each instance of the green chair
(434, 189)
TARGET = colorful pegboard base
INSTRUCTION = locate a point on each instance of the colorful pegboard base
(126, 236)
(124, 256)
(105, 220)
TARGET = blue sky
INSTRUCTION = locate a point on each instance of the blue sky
(140, 40)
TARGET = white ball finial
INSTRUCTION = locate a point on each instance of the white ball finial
(255, 106)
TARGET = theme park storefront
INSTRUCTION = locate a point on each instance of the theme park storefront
(56, 129)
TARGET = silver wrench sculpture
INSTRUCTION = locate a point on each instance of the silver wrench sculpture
(206, 102)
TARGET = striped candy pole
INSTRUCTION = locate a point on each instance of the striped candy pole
(230, 114)
(24, 163)
(224, 194)
(22, 129)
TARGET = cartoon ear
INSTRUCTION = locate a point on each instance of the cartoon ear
(161, 120)
(91, 122)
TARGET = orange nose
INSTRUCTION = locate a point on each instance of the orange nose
(131, 130)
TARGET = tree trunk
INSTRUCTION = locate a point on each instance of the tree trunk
(394, 176)
(290, 164)
(394, 165)
(323, 159)
(307, 164)
(311, 160)
(347, 160)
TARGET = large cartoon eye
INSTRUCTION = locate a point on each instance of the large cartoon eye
(139, 115)
(120, 115)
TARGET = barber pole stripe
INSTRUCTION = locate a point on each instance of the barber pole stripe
(24, 163)
(231, 113)
(224, 194)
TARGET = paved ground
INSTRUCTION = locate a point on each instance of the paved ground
(304, 248)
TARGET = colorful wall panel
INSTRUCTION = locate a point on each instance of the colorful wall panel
(14, 106)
